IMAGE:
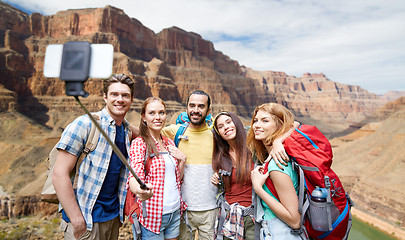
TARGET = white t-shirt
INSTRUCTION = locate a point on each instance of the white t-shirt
(171, 196)
(197, 190)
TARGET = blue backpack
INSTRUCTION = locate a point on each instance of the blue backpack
(180, 132)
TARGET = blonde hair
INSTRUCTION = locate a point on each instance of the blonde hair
(284, 121)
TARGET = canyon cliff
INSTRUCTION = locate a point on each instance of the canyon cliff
(371, 163)
(169, 64)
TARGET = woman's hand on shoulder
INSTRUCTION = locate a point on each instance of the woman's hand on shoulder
(278, 154)
(175, 152)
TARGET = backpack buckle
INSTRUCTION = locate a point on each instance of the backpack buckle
(224, 172)
(327, 182)
(296, 231)
(248, 211)
(183, 137)
(86, 151)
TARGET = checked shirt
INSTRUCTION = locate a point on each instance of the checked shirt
(94, 167)
(156, 177)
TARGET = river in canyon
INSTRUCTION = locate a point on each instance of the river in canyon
(364, 231)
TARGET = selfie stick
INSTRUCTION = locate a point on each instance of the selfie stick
(74, 68)
(116, 149)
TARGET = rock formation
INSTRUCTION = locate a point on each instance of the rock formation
(25, 205)
(168, 64)
(370, 162)
(316, 99)
(393, 95)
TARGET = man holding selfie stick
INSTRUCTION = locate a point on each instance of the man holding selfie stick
(92, 204)
(96, 209)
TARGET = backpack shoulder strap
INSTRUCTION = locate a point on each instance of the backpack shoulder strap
(91, 143)
(144, 212)
(179, 133)
(257, 207)
(93, 137)
(301, 181)
(269, 184)
(129, 134)
(302, 205)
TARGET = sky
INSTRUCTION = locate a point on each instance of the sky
(355, 42)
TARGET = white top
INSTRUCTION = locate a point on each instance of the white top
(171, 196)
(196, 189)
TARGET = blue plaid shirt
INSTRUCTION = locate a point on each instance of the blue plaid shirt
(94, 167)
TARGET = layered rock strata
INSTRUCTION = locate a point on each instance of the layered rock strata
(169, 64)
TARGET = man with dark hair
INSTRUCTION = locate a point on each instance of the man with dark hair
(200, 92)
(94, 210)
(197, 190)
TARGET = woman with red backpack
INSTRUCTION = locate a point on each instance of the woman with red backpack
(232, 163)
(270, 121)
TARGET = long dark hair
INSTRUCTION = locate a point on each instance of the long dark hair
(221, 159)
(144, 130)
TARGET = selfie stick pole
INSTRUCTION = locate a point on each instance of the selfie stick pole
(116, 149)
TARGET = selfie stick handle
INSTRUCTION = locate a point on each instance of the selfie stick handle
(116, 149)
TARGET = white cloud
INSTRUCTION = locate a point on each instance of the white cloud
(352, 42)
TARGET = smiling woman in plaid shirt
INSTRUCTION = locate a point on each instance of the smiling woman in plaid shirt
(161, 173)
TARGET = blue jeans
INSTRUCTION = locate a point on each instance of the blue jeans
(170, 228)
(277, 230)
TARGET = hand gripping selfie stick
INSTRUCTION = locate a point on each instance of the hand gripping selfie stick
(73, 62)
(115, 148)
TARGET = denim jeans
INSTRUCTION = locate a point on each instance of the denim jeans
(278, 230)
(170, 228)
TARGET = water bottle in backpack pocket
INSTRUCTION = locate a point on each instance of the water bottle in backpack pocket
(318, 212)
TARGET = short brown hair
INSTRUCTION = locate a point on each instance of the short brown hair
(121, 78)
(201, 92)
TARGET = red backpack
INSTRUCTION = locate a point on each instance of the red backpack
(311, 155)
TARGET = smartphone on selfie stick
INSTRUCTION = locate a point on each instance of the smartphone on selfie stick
(74, 62)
